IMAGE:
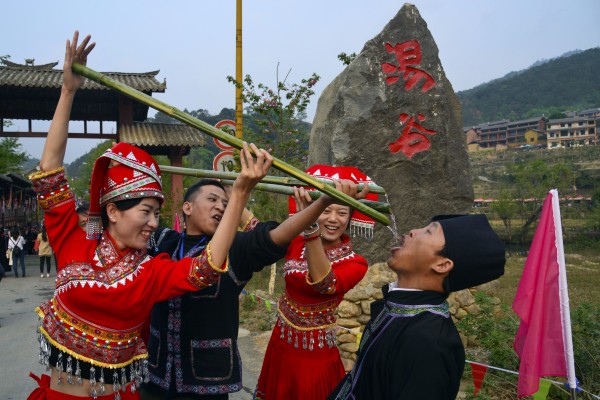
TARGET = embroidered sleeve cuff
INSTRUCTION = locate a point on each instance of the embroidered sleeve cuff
(203, 273)
(52, 188)
(325, 285)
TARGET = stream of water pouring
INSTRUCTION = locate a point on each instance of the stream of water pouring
(393, 227)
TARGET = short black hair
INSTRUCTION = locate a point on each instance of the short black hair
(82, 208)
(190, 194)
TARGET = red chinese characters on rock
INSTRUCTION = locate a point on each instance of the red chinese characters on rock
(408, 56)
(413, 138)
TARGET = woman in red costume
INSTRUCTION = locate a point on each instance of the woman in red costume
(106, 283)
(302, 360)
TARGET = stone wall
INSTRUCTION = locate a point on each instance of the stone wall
(354, 311)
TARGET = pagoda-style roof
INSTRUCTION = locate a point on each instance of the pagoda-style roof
(159, 138)
(31, 92)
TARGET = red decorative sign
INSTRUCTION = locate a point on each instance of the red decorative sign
(228, 126)
(224, 161)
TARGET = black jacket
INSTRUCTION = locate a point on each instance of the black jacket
(193, 338)
(410, 349)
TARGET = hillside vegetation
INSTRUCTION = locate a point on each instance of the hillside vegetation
(568, 83)
(518, 182)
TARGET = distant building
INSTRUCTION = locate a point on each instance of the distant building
(574, 131)
(472, 140)
(590, 113)
(535, 137)
(18, 202)
(579, 128)
(504, 133)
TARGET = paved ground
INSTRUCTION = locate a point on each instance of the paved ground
(18, 341)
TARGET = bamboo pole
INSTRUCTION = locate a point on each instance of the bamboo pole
(239, 106)
(277, 180)
(268, 187)
(224, 137)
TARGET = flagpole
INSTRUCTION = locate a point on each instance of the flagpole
(565, 311)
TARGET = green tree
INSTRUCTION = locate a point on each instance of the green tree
(346, 59)
(532, 181)
(12, 157)
(80, 183)
(593, 219)
(506, 208)
(162, 118)
(277, 114)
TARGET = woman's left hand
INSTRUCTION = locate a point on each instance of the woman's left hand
(348, 187)
(302, 198)
(75, 53)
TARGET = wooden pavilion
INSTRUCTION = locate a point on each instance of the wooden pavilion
(30, 92)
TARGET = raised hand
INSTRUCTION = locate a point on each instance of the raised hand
(56, 141)
(302, 198)
(252, 170)
(75, 53)
(347, 187)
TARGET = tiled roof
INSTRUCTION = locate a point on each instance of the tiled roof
(569, 120)
(33, 67)
(5, 179)
(31, 92)
(16, 75)
(152, 134)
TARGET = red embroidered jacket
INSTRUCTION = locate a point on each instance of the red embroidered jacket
(102, 297)
(312, 305)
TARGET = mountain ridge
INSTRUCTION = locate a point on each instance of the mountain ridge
(566, 83)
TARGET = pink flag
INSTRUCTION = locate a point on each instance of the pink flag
(176, 225)
(539, 341)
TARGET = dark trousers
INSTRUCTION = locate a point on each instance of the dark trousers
(16, 259)
(45, 259)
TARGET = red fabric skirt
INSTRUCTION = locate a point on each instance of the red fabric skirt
(43, 392)
(295, 373)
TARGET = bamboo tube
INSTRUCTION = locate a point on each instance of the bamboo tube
(269, 187)
(277, 180)
(230, 140)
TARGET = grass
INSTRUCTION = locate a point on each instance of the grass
(583, 276)
(255, 316)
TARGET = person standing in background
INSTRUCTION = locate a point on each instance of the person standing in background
(4, 265)
(44, 251)
(16, 243)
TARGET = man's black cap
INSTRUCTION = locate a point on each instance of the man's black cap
(477, 252)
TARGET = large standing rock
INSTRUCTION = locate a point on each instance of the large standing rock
(398, 119)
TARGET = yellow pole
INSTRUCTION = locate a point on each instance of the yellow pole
(239, 132)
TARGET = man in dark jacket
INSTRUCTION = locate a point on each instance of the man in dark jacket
(410, 348)
(192, 346)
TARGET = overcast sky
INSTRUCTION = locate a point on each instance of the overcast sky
(192, 42)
